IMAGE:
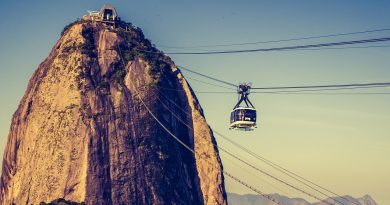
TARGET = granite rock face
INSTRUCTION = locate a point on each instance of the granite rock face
(82, 132)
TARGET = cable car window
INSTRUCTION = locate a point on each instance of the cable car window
(250, 114)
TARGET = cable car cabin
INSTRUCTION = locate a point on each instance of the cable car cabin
(243, 118)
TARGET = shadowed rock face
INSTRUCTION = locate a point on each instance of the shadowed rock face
(81, 132)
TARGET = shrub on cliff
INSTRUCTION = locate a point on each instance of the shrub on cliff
(62, 202)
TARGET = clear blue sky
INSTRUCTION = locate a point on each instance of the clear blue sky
(340, 141)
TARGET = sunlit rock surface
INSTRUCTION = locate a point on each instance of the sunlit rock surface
(81, 132)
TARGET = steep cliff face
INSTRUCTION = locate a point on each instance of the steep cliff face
(82, 133)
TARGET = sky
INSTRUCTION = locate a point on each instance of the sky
(341, 142)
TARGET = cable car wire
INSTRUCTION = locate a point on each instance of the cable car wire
(319, 90)
(305, 93)
(274, 165)
(247, 163)
(292, 92)
(309, 87)
(281, 40)
(277, 179)
(229, 88)
(318, 49)
(242, 168)
(363, 41)
(352, 85)
(206, 76)
(299, 93)
(283, 170)
(341, 48)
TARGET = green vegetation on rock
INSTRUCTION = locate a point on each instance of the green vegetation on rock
(89, 46)
(136, 45)
(62, 202)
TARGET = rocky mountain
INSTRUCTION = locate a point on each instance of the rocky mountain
(83, 133)
(250, 199)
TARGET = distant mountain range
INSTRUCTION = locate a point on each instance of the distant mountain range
(251, 199)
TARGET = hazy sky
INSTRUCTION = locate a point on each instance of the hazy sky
(341, 142)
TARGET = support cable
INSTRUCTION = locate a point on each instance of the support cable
(207, 83)
(279, 180)
(206, 76)
(285, 171)
(281, 40)
(296, 47)
(242, 168)
(360, 85)
(301, 92)
(284, 89)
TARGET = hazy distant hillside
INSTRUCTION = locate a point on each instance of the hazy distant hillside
(251, 199)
